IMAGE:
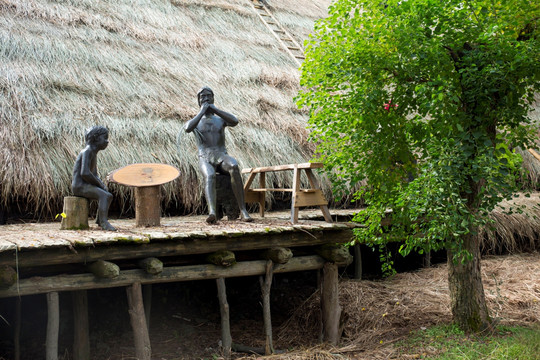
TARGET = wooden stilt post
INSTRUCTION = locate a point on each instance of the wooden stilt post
(147, 301)
(266, 284)
(330, 308)
(226, 338)
(81, 337)
(53, 326)
(143, 350)
(17, 335)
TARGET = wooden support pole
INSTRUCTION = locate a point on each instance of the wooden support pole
(143, 351)
(147, 301)
(81, 336)
(147, 206)
(76, 211)
(53, 326)
(266, 285)
(226, 339)
(17, 335)
(330, 308)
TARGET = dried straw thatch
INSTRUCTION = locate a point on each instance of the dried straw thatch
(378, 313)
(135, 67)
(516, 226)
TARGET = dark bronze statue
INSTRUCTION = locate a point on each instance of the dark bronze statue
(209, 129)
(86, 182)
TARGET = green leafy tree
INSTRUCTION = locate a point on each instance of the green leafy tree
(419, 102)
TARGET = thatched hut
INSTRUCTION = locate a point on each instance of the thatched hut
(135, 67)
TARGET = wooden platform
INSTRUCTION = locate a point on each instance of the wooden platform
(42, 249)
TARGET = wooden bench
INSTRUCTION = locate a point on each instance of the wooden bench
(300, 197)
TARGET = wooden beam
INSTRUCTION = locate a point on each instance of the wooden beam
(53, 326)
(143, 350)
(151, 265)
(176, 247)
(314, 165)
(104, 269)
(39, 285)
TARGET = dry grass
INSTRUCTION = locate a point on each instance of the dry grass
(135, 67)
(378, 313)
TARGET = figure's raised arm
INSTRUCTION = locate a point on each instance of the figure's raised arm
(229, 118)
(192, 124)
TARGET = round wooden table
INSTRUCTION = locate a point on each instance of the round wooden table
(146, 180)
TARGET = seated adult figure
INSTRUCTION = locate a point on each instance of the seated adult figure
(86, 182)
(209, 129)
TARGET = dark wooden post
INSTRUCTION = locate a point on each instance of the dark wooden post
(226, 338)
(17, 335)
(143, 350)
(266, 285)
(76, 211)
(330, 308)
(53, 326)
(357, 262)
(81, 337)
(147, 300)
(147, 206)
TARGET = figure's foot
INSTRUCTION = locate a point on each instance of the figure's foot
(105, 225)
(211, 219)
(245, 216)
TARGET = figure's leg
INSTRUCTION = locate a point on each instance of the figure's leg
(104, 199)
(103, 210)
(209, 174)
(230, 165)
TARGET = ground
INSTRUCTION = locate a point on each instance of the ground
(185, 321)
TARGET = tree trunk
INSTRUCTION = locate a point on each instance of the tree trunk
(468, 302)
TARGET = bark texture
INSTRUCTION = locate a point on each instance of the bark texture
(468, 303)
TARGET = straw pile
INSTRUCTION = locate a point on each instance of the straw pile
(135, 67)
(378, 313)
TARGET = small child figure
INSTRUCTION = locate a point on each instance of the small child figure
(86, 182)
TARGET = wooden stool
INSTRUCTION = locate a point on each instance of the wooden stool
(76, 211)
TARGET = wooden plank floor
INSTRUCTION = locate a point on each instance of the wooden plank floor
(49, 259)
(39, 244)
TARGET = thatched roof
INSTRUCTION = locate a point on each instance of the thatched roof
(135, 67)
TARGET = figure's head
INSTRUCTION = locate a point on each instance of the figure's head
(205, 95)
(98, 135)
